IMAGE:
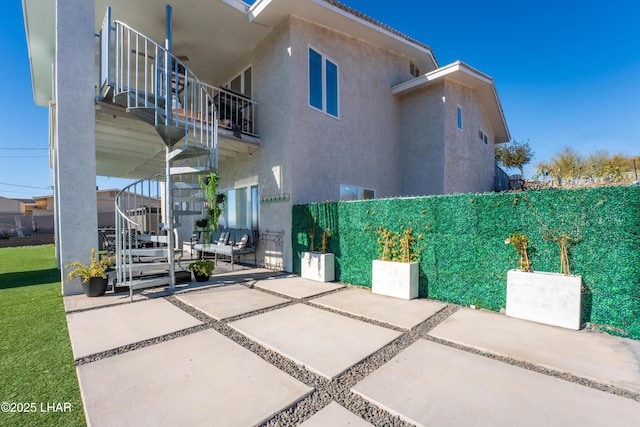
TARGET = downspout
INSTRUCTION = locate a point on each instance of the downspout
(169, 226)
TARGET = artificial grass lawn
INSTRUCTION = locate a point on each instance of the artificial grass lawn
(37, 373)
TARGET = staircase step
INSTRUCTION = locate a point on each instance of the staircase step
(185, 213)
(140, 268)
(107, 93)
(189, 198)
(148, 282)
(150, 252)
(189, 170)
(188, 152)
(146, 114)
(178, 185)
(171, 134)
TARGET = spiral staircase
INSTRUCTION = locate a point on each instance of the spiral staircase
(154, 86)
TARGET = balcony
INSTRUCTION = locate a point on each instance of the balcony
(236, 112)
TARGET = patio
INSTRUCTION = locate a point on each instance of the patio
(253, 346)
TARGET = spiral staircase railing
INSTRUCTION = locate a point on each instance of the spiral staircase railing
(158, 88)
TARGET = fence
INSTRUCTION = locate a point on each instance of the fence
(463, 255)
(22, 225)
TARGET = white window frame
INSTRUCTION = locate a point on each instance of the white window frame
(249, 207)
(242, 81)
(324, 58)
(483, 136)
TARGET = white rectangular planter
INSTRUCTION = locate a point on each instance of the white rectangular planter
(549, 298)
(317, 266)
(395, 279)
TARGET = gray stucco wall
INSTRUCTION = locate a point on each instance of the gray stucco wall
(360, 147)
(306, 153)
(469, 163)
(272, 78)
(270, 166)
(422, 150)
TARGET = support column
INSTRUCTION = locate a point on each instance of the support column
(75, 145)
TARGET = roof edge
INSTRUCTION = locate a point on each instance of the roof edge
(452, 71)
(382, 27)
(340, 8)
(29, 53)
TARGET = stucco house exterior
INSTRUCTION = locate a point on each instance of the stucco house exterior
(341, 107)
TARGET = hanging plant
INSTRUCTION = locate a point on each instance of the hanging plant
(215, 202)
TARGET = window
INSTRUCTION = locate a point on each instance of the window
(414, 70)
(459, 117)
(241, 83)
(483, 136)
(323, 83)
(241, 209)
(350, 192)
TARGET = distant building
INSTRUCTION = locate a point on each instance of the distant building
(24, 217)
(13, 218)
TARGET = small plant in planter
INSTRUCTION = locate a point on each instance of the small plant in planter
(319, 266)
(202, 269)
(549, 298)
(521, 243)
(396, 273)
(563, 241)
(93, 276)
(326, 235)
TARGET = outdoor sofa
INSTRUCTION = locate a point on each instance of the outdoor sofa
(230, 242)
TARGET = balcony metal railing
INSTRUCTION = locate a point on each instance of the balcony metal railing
(157, 80)
(132, 63)
(236, 112)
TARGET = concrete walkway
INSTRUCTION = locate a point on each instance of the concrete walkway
(256, 347)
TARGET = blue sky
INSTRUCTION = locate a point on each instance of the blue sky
(567, 73)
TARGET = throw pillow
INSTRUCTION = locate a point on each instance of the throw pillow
(224, 238)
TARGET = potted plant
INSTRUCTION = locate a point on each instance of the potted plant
(549, 298)
(202, 269)
(396, 273)
(319, 266)
(94, 276)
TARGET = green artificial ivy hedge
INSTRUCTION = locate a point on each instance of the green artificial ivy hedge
(463, 255)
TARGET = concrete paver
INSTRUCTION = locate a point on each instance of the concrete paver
(83, 302)
(432, 384)
(228, 301)
(602, 358)
(361, 302)
(335, 415)
(297, 287)
(206, 379)
(224, 274)
(107, 328)
(324, 342)
(200, 379)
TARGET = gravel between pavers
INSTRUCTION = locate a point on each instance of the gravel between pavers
(339, 389)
